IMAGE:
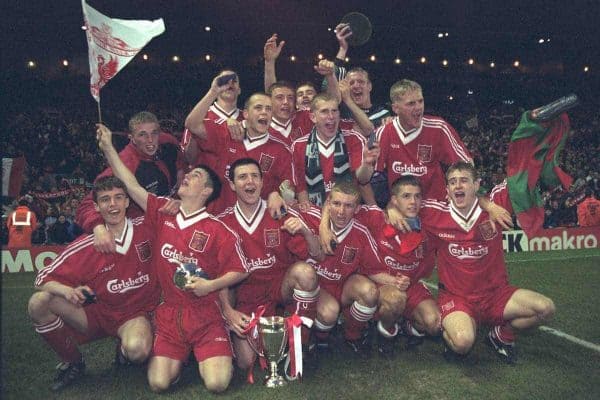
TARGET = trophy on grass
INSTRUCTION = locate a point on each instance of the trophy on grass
(269, 339)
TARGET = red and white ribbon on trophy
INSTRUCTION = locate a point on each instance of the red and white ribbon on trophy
(293, 325)
(252, 333)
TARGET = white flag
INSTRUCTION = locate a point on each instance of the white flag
(112, 43)
(13, 171)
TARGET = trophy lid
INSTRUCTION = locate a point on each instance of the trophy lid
(360, 26)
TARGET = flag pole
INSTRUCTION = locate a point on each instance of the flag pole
(99, 111)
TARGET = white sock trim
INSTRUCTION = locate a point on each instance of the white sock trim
(384, 332)
(50, 326)
(362, 313)
(303, 295)
(322, 327)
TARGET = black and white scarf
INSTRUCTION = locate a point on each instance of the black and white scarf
(314, 174)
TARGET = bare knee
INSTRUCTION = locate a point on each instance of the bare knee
(39, 305)
(305, 277)
(545, 308)
(391, 302)
(217, 382)
(368, 294)
(328, 313)
(158, 383)
(461, 341)
(431, 323)
(137, 348)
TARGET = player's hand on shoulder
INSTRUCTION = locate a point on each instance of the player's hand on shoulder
(499, 215)
(276, 205)
(104, 240)
(395, 218)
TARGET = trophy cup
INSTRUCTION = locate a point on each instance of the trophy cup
(269, 341)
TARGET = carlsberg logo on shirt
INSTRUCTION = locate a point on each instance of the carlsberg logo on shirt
(409, 169)
(465, 253)
(122, 286)
(168, 251)
(261, 263)
(392, 263)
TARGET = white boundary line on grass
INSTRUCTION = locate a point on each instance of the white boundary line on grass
(552, 331)
(523, 260)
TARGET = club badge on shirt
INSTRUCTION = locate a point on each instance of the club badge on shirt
(265, 162)
(424, 153)
(144, 250)
(199, 241)
(349, 254)
(486, 230)
(271, 237)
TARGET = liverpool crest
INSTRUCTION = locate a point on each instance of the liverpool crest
(349, 254)
(199, 241)
(424, 153)
(271, 237)
(144, 251)
(266, 162)
(486, 229)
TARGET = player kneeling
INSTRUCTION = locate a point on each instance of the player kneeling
(473, 281)
(344, 273)
(408, 258)
(85, 295)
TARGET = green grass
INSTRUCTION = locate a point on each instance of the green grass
(549, 367)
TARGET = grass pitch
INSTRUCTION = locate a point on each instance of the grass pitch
(549, 367)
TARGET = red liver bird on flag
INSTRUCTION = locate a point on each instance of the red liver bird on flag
(112, 43)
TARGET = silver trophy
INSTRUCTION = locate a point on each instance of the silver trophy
(185, 271)
(269, 340)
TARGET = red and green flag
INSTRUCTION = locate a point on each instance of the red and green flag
(533, 158)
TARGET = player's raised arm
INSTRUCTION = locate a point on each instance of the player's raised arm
(271, 52)
(195, 119)
(362, 119)
(326, 68)
(135, 190)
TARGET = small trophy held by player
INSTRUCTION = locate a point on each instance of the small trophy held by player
(185, 271)
(269, 340)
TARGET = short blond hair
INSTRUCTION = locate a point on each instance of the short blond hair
(321, 97)
(347, 187)
(141, 118)
(400, 88)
